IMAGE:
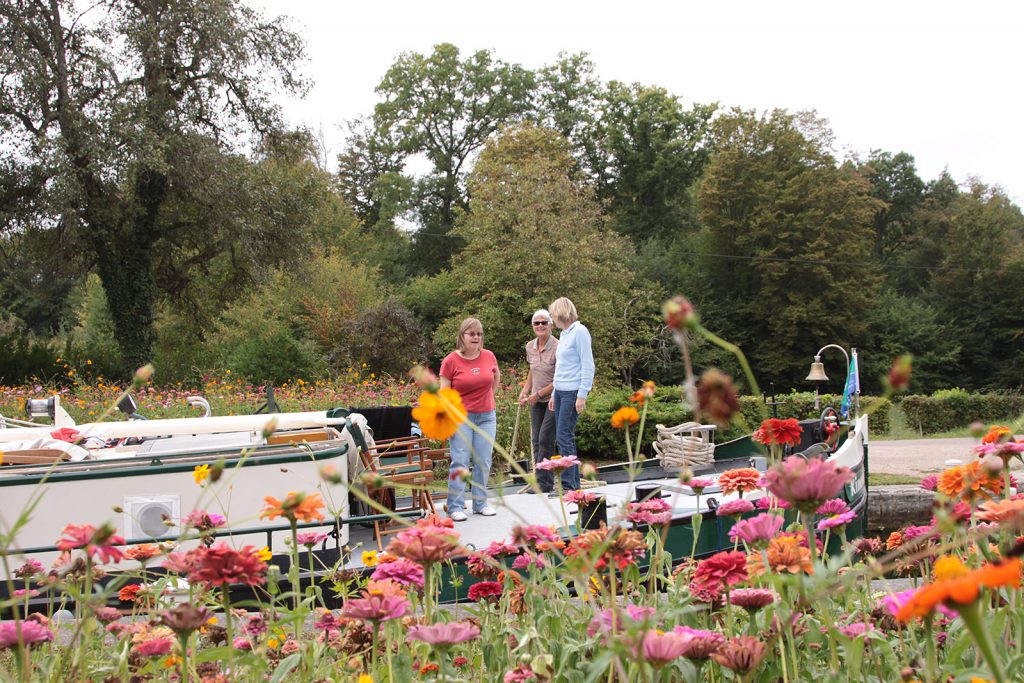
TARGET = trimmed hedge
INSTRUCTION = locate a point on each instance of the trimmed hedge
(954, 409)
(595, 437)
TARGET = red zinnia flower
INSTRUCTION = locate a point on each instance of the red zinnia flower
(222, 564)
(484, 589)
(776, 432)
(722, 569)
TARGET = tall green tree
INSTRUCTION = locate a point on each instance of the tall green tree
(534, 233)
(788, 233)
(103, 107)
(444, 108)
(653, 151)
(976, 287)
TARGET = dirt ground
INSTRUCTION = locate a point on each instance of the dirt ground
(920, 456)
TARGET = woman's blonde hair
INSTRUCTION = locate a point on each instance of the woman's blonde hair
(563, 311)
(463, 328)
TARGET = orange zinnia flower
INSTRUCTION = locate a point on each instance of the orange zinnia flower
(295, 506)
(969, 481)
(785, 554)
(997, 434)
(625, 416)
(956, 587)
(740, 479)
(1002, 511)
(895, 540)
(439, 414)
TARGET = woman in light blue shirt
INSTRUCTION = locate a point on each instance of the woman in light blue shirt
(574, 378)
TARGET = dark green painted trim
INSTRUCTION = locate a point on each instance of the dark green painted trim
(160, 465)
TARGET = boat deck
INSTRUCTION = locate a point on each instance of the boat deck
(515, 508)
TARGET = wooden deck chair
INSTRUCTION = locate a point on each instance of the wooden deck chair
(35, 456)
(402, 464)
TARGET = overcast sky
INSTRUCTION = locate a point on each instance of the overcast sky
(940, 80)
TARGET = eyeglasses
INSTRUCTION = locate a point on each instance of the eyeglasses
(541, 322)
(474, 334)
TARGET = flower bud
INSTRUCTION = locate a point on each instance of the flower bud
(992, 464)
(425, 378)
(269, 428)
(899, 374)
(977, 429)
(329, 473)
(143, 374)
(588, 471)
(679, 313)
(685, 475)
(216, 470)
(118, 509)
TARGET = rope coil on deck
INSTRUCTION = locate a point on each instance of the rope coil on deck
(685, 446)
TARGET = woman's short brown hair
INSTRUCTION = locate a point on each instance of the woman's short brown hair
(465, 327)
(564, 311)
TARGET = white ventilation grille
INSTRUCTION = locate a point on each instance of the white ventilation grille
(145, 516)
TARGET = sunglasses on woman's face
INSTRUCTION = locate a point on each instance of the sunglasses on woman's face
(540, 322)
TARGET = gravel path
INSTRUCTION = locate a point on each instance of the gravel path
(920, 456)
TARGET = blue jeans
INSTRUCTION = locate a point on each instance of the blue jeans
(565, 434)
(466, 446)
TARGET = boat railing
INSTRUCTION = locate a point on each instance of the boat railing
(269, 530)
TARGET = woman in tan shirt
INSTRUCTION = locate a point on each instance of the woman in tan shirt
(540, 353)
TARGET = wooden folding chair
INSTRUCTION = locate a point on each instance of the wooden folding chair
(400, 463)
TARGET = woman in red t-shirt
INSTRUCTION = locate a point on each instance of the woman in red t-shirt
(473, 371)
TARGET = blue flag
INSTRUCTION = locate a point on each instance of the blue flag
(852, 386)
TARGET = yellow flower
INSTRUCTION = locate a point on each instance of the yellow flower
(201, 473)
(365, 678)
(264, 554)
(370, 558)
(272, 643)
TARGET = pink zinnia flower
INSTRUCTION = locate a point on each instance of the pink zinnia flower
(701, 644)
(770, 502)
(740, 654)
(752, 599)
(179, 563)
(580, 497)
(857, 628)
(501, 549)
(536, 536)
(558, 463)
(602, 623)
(405, 572)
(327, 621)
(699, 484)
(526, 560)
(376, 608)
(445, 635)
(735, 508)
(100, 542)
(806, 484)
(241, 643)
(836, 513)
(203, 521)
(756, 530)
(310, 539)
(912, 532)
(651, 511)
(31, 632)
(106, 615)
(155, 647)
(520, 674)
(30, 569)
(662, 648)
(426, 544)
(930, 483)
(724, 569)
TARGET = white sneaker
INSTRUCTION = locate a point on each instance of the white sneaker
(457, 515)
(487, 511)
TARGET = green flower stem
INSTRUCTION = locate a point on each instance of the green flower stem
(734, 350)
(931, 659)
(293, 574)
(640, 433)
(226, 603)
(629, 448)
(971, 614)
